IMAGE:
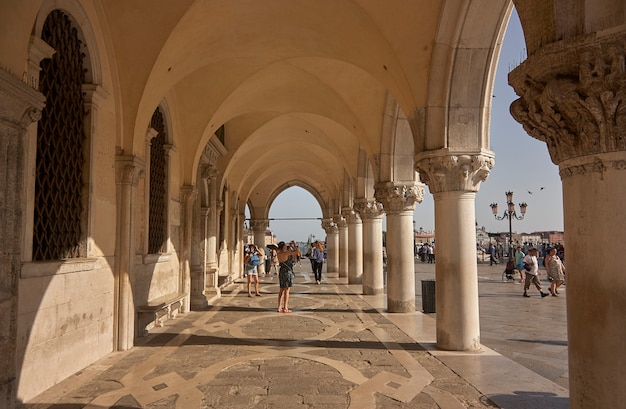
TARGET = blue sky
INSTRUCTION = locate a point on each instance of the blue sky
(522, 165)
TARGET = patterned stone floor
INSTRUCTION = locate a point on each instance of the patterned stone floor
(337, 349)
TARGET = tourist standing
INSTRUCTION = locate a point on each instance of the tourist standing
(556, 271)
(285, 256)
(252, 260)
(317, 256)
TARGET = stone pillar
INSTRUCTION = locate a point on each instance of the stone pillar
(20, 106)
(371, 213)
(342, 226)
(355, 247)
(572, 97)
(259, 226)
(454, 180)
(199, 279)
(129, 169)
(332, 244)
(399, 203)
(188, 195)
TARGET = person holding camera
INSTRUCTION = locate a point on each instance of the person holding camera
(285, 256)
(252, 260)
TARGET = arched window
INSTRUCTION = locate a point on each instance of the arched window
(157, 219)
(61, 148)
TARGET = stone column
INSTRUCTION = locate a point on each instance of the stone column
(572, 97)
(371, 213)
(332, 244)
(129, 169)
(20, 106)
(259, 226)
(355, 247)
(454, 179)
(399, 203)
(188, 195)
(199, 279)
(342, 226)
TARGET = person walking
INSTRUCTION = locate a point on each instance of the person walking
(493, 258)
(532, 272)
(285, 257)
(317, 256)
(556, 271)
(252, 260)
(519, 263)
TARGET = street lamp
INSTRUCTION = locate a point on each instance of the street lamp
(509, 214)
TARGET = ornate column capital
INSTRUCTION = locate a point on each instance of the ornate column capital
(369, 208)
(340, 221)
(329, 226)
(259, 224)
(128, 170)
(351, 215)
(208, 171)
(20, 105)
(572, 96)
(398, 197)
(188, 194)
(448, 171)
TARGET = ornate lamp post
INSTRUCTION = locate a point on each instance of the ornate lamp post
(509, 214)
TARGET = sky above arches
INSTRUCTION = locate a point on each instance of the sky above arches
(522, 165)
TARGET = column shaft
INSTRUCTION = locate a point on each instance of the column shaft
(355, 249)
(343, 249)
(400, 262)
(456, 275)
(373, 274)
(596, 289)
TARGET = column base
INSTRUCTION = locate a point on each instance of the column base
(373, 291)
(400, 306)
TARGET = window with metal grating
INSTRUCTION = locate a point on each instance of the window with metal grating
(60, 145)
(157, 227)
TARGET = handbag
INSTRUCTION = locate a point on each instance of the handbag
(528, 267)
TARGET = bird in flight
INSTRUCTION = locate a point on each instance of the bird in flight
(541, 188)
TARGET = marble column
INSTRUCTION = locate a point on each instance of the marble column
(129, 169)
(20, 106)
(342, 226)
(355, 247)
(371, 213)
(572, 97)
(188, 195)
(332, 245)
(454, 179)
(399, 203)
(259, 226)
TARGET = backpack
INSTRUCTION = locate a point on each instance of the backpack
(254, 260)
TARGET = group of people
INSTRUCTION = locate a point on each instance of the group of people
(528, 268)
(283, 259)
(426, 252)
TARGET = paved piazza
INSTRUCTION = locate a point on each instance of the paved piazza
(337, 349)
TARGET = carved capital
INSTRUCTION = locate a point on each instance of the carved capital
(188, 194)
(398, 197)
(20, 105)
(129, 169)
(369, 209)
(329, 226)
(351, 215)
(259, 224)
(208, 171)
(572, 96)
(340, 221)
(448, 171)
